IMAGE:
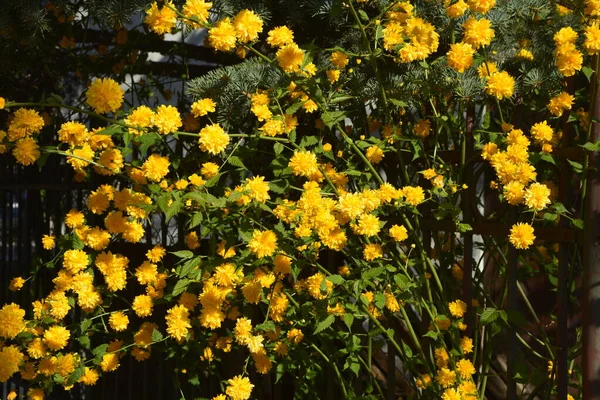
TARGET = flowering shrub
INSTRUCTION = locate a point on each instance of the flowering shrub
(298, 204)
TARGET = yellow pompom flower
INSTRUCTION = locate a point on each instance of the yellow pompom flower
(290, 57)
(247, 26)
(537, 196)
(10, 359)
(398, 233)
(142, 117)
(178, 322)
(75, 261)
(118, 321)
(24, 123)
(167, 119)
(500, 85)
(374, 154)
(466, 345)
(478, 33)
(202, 107)
(90, 377)
(213, 139)
(280, 36)
(451, 394)
(457, 9)
(196, 9)
(486, 69)
(521, 235)
(161, 20)
(422, 128)
(465, 368)
(457, 308)
(16, 284)
(222, 35)
(372, 251)
(460, 56)
(156, 167)
(105, 95)
(304, 163)
(142, 305)
(258, 189)
(263, 243)
(481, 6)
(339, 59)
(48, 242)
(11, 321)
(26, 151)
(56, 337)
(413, 195)
(568, 59)
(542, 132)
(239, 388)
(560, 103)
(592, 39)
(514, 192)
(367, 225)
(209, 169)
(446, 377)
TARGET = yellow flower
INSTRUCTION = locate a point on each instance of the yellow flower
(514, 192)
(263, 243)
(2, 103)
(16, 284)
(422, 128)
(239, 388)
(193, 9)
(398, 233)
(525, 54)
(304, 163)
(413, 195)
(167, 119)
(368, 225)
(25, 122)
(521, 235)
(486, 69)
(192, 241)
(481, 6)
(156, 167)
(458, 308)
(161, 20)
(457, 9)
(178, 322)
(339, 59)
(247, 26)
(500, 85)
(280, 36)
(374, 154)
(222, 35)
(56, 337)
(568, 59)
(592, 39)
(478, 33)
(90, 377)
(142, 305)
(460, 56)
(451, 394)
(290, 57)
(48, 242)
(423, 381)
(465, 368)
(372, 251)
(258, 189)
(537, 196)
(213, 139)
(559, 103)
(202, 107)
(142, 117)
(446, 377)
(10, 358)
(26, 151)
(11, 321)
(118, 321)
(466, 344)
(105, 95)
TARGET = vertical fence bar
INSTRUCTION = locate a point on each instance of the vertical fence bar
(511, 281)
(391, 372)
(467, 196)
(591, 261)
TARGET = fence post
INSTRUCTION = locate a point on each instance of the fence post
(591, 260)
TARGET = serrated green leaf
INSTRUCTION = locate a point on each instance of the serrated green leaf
(84, 341)
(330, 118)
(326, 323)
(336, 279)
(173, 209)
(156, 335)
(180, 286)
(348, 320)
(278, 148)
(236, 162)
(99, 351)
(189, 266)
(578, 223)
(184, 254)
(195, 220)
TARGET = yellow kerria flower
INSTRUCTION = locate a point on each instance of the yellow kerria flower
(521, 235)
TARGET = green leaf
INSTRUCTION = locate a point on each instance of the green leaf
(371, 273)
(84, 341)
(578, 223)
(100, 350)
(76, 243)
(379, 300)
(326, 323)
(180, 286)
(348, 320)
(550, 216)
(588, 72)
(402, 281)
(490, 315)
(591, 146)
(276, 188)
(189, 266)
(266, 326)
(74, 377)
(185, 254)
(293, 108)
(173, 209)
(577, 167)
(278, 148)
(398, 103)
(363, 15)
(336, 279)
(156, 335)
(463, 228)
(431, 334)
(85, 325)
(330, 118)
(195, 220)
(309, 141)
(236, 162)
